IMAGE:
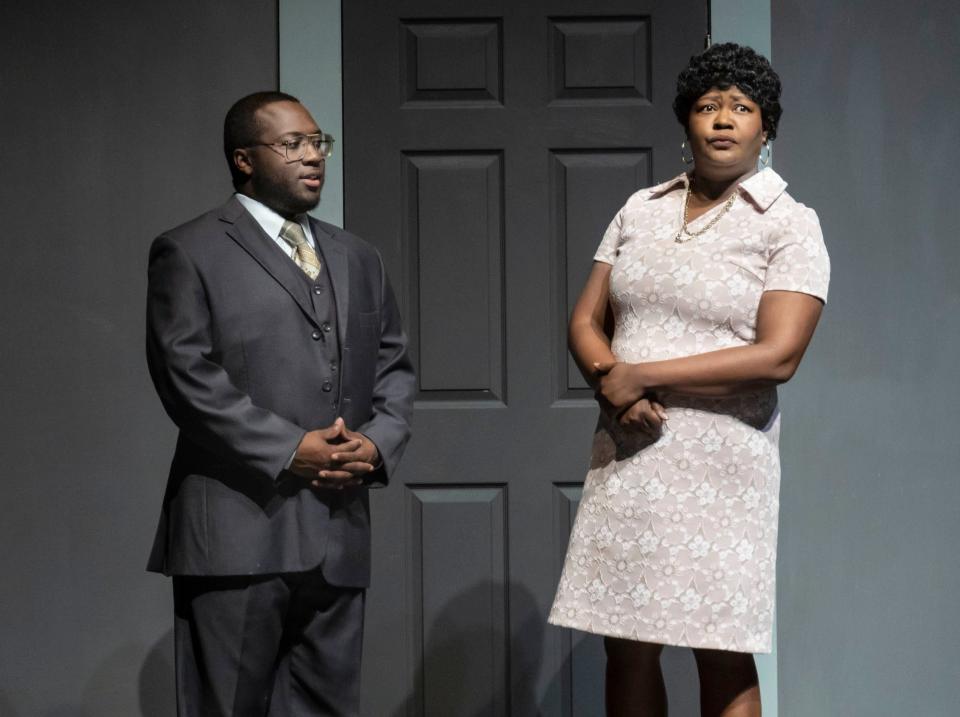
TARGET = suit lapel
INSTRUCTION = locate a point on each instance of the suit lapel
(243, 229)
(338, 269)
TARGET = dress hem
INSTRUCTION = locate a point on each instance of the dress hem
(697, 644)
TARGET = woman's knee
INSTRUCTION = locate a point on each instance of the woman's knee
(632, 651)
(725, 662)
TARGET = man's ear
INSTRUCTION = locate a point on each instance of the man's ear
(241, 160)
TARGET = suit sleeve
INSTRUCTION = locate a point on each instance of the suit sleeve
(196, 392)
(394, 387)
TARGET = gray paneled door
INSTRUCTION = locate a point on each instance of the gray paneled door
(487, 146)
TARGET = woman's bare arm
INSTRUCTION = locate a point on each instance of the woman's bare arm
(785, 324)
(588, 334)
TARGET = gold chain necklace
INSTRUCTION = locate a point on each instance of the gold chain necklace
(686, 205)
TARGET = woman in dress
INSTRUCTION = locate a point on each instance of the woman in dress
(703, 296)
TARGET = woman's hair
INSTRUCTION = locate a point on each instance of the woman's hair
(722, 66)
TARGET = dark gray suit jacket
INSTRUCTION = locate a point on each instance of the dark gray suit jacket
(234, 346)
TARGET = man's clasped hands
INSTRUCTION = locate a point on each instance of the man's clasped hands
(335, 457)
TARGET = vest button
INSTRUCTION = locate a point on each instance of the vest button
(325, 326)
(318, 289)
(316, 335)
(327, 386)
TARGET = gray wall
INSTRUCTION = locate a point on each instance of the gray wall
(870, 500)
(110, 131)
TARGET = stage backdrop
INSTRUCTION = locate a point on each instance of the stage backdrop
(110, 132)
(110, 121)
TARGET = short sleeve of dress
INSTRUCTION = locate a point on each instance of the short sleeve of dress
(607, 251)
(798, 259)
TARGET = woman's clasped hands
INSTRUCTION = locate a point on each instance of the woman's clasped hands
(622, 394)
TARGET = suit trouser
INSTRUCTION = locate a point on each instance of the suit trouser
(267, 646)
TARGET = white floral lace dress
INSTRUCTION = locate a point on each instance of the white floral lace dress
(675, 539)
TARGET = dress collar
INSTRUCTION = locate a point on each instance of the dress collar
(763, 188)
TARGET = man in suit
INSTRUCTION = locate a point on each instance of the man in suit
(275, 344)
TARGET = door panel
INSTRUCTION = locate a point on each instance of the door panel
(459, 354)
(585, 186)
(486, 150)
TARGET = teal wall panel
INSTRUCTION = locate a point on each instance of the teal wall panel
(311, 69)
(746, 22)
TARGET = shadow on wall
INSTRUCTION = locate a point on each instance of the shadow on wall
(586, 692)
(585, 665)
(456, 671)
(6, 709)
(110, 690)
(455, 661)
(117, 684)
(156, 684)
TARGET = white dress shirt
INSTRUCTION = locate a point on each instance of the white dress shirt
(272, 223)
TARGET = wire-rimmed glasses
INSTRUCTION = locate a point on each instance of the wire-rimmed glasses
(294, 148)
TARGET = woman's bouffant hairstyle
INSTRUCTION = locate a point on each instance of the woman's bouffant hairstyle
(722, 66)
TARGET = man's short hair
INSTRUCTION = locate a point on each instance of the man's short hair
(241, 129)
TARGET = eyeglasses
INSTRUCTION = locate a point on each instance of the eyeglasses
(295, 148)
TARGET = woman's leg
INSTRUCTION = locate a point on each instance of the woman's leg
(634, 680)
(728, 684)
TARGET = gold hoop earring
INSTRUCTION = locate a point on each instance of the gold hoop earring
(683, 155)
(765, 161)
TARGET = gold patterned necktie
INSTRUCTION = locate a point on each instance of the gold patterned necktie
(306, 258)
